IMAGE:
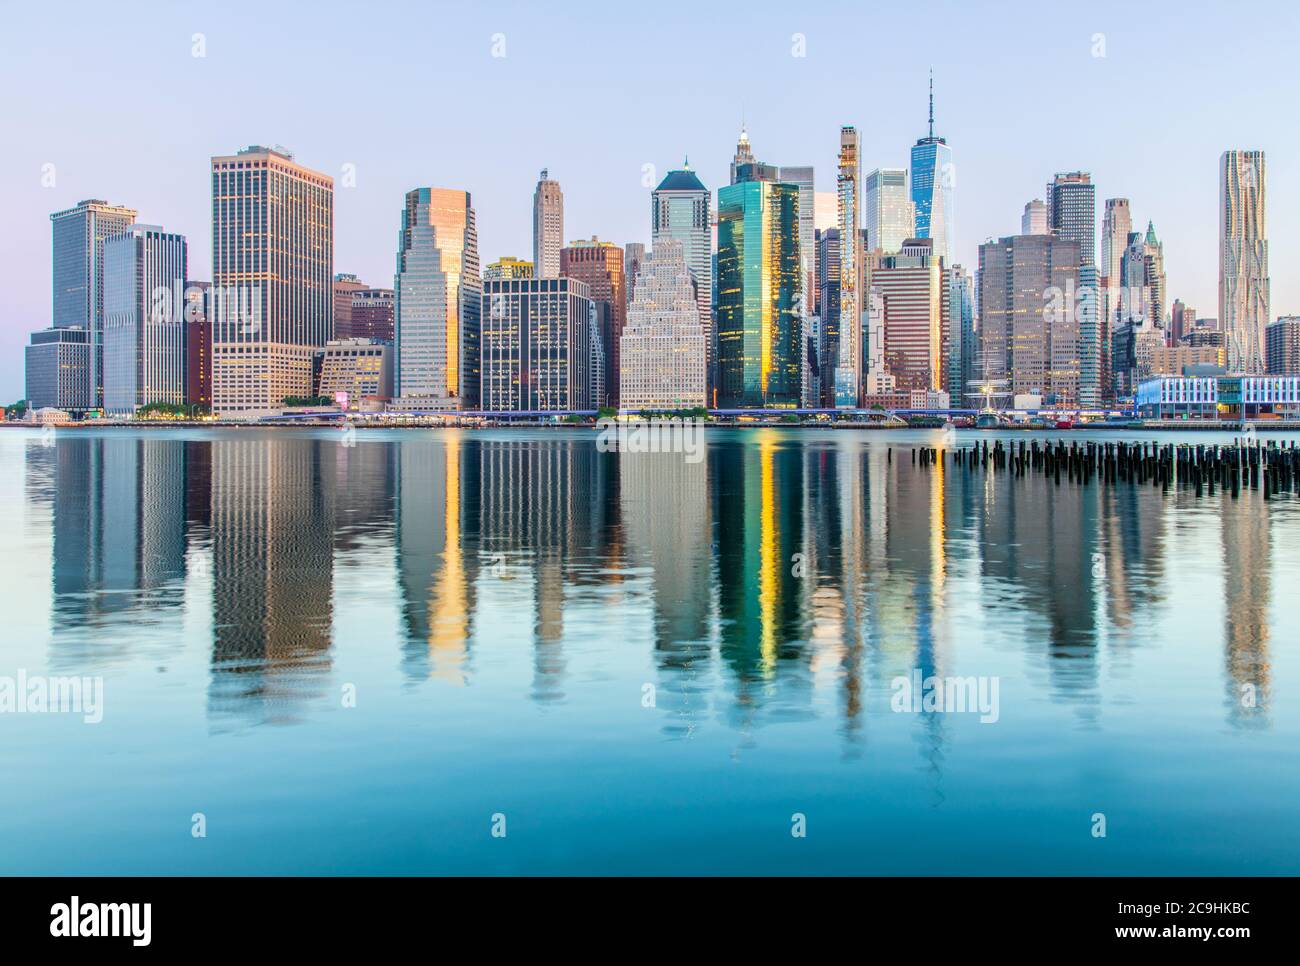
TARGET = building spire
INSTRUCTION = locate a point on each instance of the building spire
(931, 102)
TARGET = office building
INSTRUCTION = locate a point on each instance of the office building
(1029, 330)
(890, 212)
(911, 287)
(508, 267)
(272, 278)
(1072, 217)
(760, 278)
(1034, 219)
(145, 269)
(355, 369)
(536, 345)
(600, 265)
(437, 290)
(548, 226)
(845, 337)
(933, 179)
(78, 237)
(680, 209)
(372, 314)
(58, 369)
(662, 349)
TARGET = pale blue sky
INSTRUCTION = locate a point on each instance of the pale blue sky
(411, 94)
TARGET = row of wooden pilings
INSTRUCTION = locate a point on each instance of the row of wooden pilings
(1272, 468)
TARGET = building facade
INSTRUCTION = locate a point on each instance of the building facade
(912, 288)
(272, 278)
(78, 237)
(600, 265)
(760, 276)
(508, 267)
(1282, 346)
(681, 210)
(1243, 258)
(437, 290)
(536, 345)
(145, 269)
(845, 338)
(355, 369)
(662, 350)
(890, 212)
(372, 314)
(548, 226)
(932, 188)
(57, 371)
(1072, 217)
(1029, 330)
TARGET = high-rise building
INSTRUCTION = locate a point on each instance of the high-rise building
(600, 265)
(373, 314)
(662, 347)
(1029, 333)
(802, 177)
(344, 286)
(58, 369)
(846, 381)
(79, 234)
(508, 267)
(1072, 217)
(911, 286)
(438, 289)
(536, 345)
(1182, 320)
(272, 278)
(635, 255)
(1153, 265)
(932, 187)
(890, 213)
(198, 344)
(827, 306)
(961, 346)
(1243, 258)
(1282, 346)
(145, 269)
(548, 227)
(744, 153)
(759, 276)
(1116, 225)
(680, 210)
(1034, 219)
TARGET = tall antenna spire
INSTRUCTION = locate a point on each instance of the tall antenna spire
(932, 102)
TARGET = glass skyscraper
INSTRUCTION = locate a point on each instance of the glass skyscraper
(1243, 259)
(760, 281)
(890, 214)
(437, 290)
(1072, 216)
(932, 184)
(79, 235)
(144, 319)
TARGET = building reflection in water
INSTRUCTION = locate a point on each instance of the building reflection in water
(798, 573)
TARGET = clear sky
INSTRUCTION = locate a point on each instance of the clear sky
(411, 94)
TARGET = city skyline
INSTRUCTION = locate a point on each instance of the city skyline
(606, 184)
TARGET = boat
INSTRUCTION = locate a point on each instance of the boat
(988, 419)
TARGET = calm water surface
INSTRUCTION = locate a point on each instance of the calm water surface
(351, 658)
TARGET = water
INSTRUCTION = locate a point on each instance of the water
(362, 659)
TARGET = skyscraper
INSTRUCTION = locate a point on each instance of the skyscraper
(846, 382)
(600, 265)
(144, 319)
(912, 288)
(744, 153)
(890, 213)
(680, 210)
(536, 345)
(635, 255)
(662, 347)
(759, 282)
(1072, 216)
(802, 177)
(344, 285)
(960, 333)
(1243, 259)
(79, 235)
(932, 185)
(1030, 336)
(272, 278)
(1034, 219)
(1116, 224)
(373, 316)
(437, 288)
(548, 227)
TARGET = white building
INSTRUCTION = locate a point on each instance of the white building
(890, 213)
(662, 354)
